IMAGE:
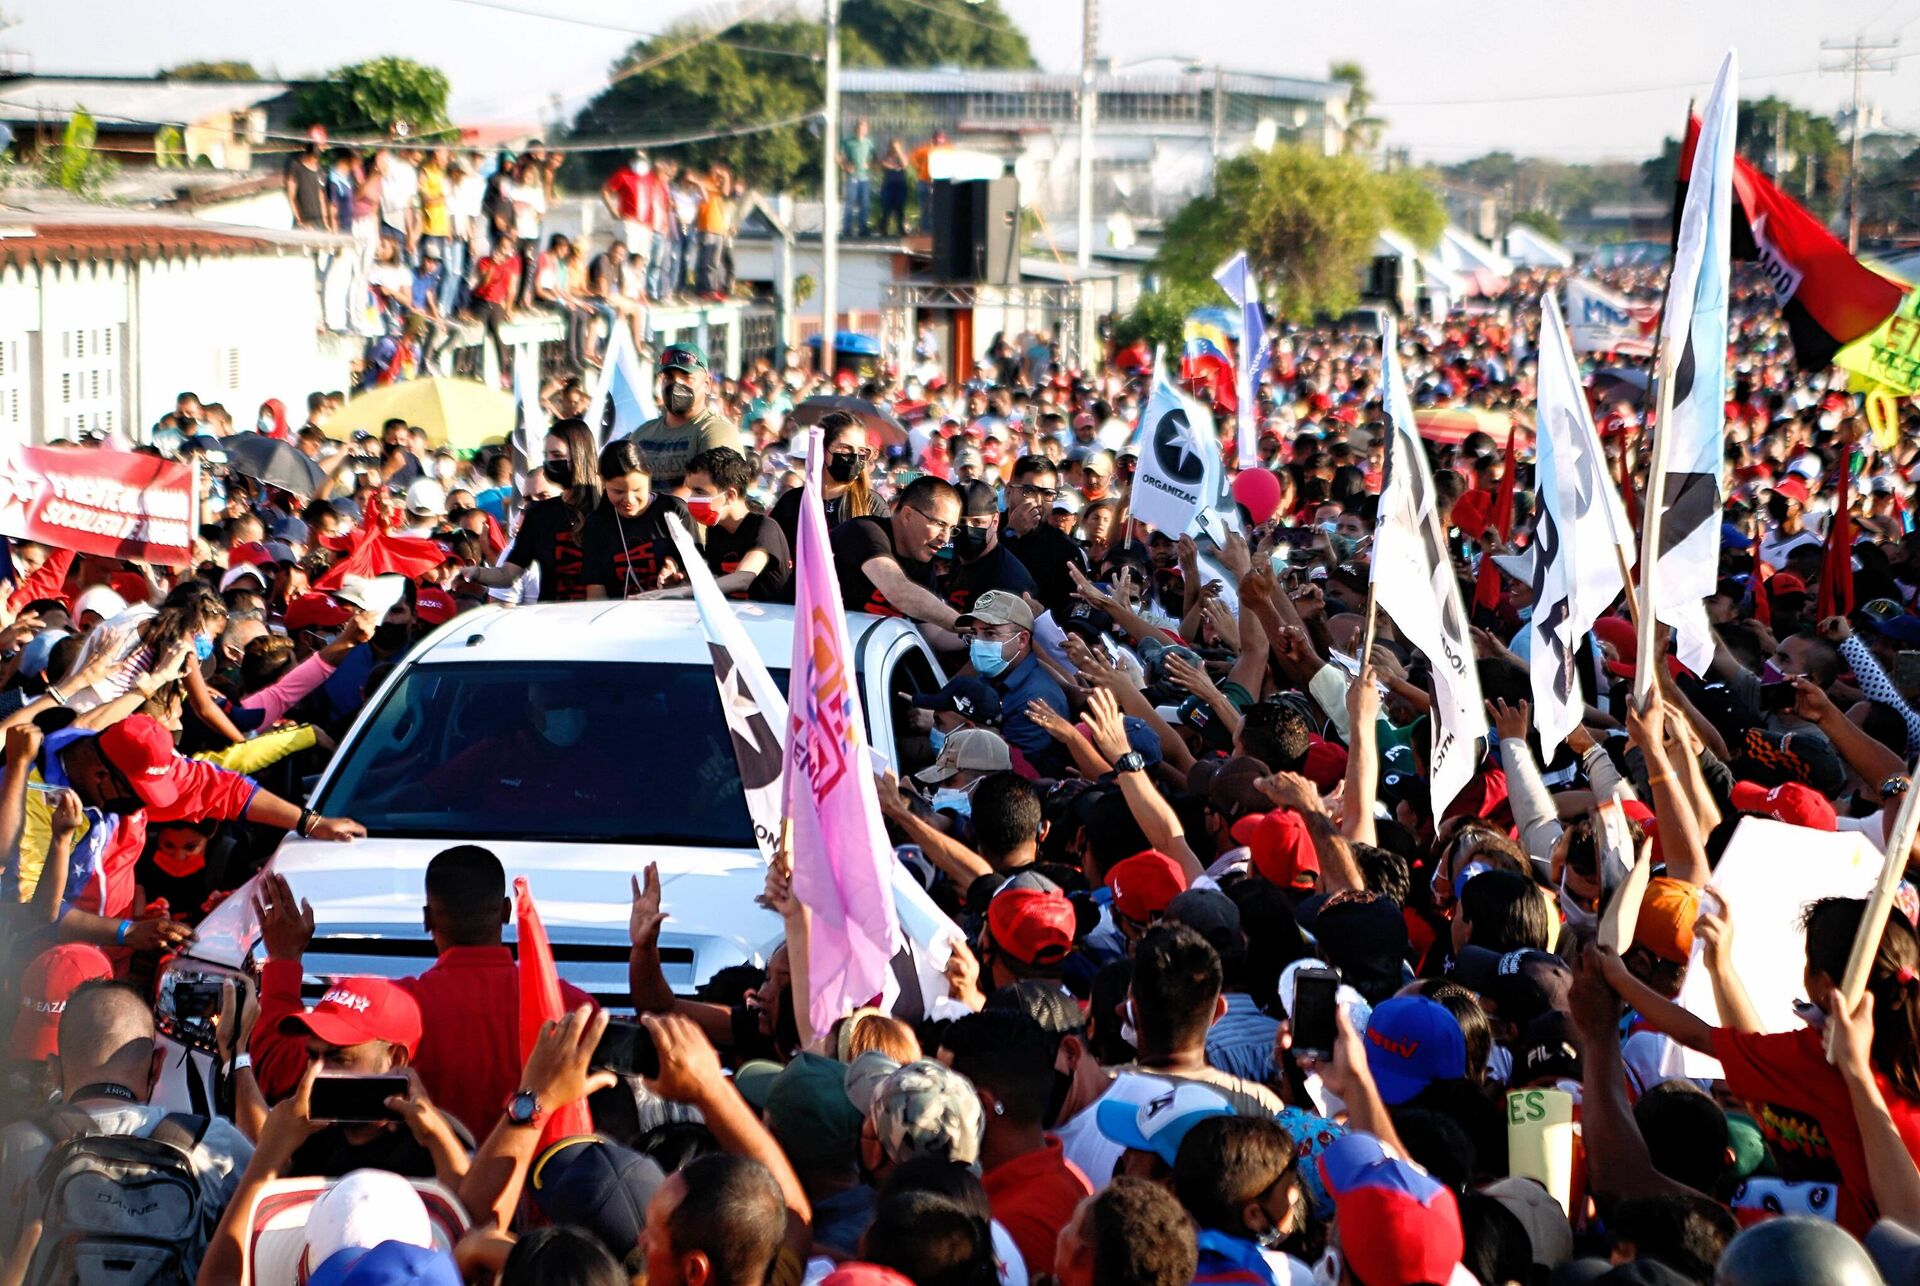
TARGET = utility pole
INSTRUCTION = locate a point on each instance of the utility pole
(830, 197)
(1219, 121)
(1089, 108)
(1859, 60)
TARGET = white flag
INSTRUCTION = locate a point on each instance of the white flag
(1236, 278)
(1683, 509)
(755, 712)
(622, 397)
(1414, 583)
(1601, 321)
(1579, 523)
(1179, 474)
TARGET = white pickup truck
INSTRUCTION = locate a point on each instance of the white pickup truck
(657, 781)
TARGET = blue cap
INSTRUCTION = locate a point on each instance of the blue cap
(600, 1186)
(1158, 1125)
(34, 656)
(1731, 537)
(391, 1263)
(972, 699)
(1142, 739)
(1411, 1043)
(1904, 628)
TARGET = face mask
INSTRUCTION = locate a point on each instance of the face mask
(1327, 1271)
(389, 638)
(638, 167)
(563, 727)
(1096, 487)
(1271, 1238)
(952, 801)
(1770, 673)
(203, 646)
(705, 510)
(937, 739)
(969, 542)
(843, 468)
(1578, 917)
(1057, 1096)
(445, 469)
(988, 656)
(266, 424)
(679, 399)
(1345, 547)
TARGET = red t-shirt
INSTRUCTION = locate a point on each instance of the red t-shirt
(1800, 1103)
(624, 188)
(494, 280)
(1034, 1196)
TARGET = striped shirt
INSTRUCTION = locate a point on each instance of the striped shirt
(1242, 1041)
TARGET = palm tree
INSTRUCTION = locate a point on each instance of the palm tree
(1363, 130)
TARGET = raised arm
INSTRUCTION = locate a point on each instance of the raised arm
(955, 860)
(1362, 786)
(646, 981)
(1149, 807)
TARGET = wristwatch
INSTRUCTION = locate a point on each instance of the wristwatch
(524, 1109)
(1132, 761)
(1894, 785)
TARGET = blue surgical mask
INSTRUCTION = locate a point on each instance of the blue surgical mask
(949, 800)
(988, 656)
(203, 646)
(564, 727)
(936, 739)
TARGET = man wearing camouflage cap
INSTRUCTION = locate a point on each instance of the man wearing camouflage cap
(920, 1109)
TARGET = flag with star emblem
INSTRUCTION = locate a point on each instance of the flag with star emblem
(623, 396)
(749, 700)
(1681, 540)
(1179, 472)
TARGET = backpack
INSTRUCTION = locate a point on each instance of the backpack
(119, 1209)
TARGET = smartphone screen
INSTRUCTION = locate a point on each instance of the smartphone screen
(1314, 1026)
(627, 1048)
(355, 1098)
(1776, 696)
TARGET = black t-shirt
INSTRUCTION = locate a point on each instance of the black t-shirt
(858, 541)
(624, 556)
(550, 539)
(186, 891)
(961, 584)
(328, 1154)
(726, 548)
(1046, 553)
(786, 512)
(309, 192)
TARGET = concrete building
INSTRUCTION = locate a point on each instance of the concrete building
(1157, 133)
(220, 122)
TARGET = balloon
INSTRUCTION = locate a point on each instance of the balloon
(1258, 492)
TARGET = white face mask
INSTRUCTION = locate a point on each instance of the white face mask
(639, 167)
(563, 727)
(266, 424)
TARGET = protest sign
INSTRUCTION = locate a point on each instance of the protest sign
(1540, 1140)
(110, 503)
(1602, 321)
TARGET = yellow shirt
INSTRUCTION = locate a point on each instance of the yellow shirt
(434, 219)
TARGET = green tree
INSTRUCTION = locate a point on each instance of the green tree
(1307, 221)
(72, 164)
(1540, 221)
(1363, 128)
(1160, 316)
(224, 69)
(169, 148)
(933, 33)
(1413, 209)
(378, 96)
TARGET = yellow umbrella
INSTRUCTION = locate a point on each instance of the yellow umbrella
(463, 414)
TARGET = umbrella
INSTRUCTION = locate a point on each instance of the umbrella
(464, 414)
(877, 420)
(273, 461)
(1619, 384)
(1453, 424)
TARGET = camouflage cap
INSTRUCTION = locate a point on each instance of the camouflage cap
(926, 1109)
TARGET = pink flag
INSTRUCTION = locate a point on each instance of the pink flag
(842, 862)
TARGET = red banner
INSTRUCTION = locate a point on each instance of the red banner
(110, 503)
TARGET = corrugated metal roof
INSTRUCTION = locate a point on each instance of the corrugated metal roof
(967, 80)
(88, 236)
(123, 103)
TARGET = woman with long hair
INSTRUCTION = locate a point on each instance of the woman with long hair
(549, 534)
(626, 545)
(1801, 1101)
(846, 485)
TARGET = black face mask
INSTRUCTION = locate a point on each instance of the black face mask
(843, 468)
(391, 637)
(969, 543)
(1057, 1096)
(679, 399)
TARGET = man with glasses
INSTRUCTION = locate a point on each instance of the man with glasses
(1044, 551)
(885, 565)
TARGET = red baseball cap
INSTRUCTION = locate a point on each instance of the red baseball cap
(1144, 883)
(434, 606)
(357, 1010)
(1280, 846)
(250, 554)
(1625, 640)
(1791, 803)
(1787, 583)
(1396, 1222)
(1792, 488)
(141, 749)
(316, 611)
(1033, 926)
(51, 977)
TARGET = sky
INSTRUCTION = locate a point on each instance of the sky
(1574, 80)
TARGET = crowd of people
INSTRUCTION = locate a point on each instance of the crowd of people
(1163, 795)
(453, 244)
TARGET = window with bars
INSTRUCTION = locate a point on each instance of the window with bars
(86, 381)
(15, 396)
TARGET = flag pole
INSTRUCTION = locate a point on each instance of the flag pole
(1866, 939)
(1373, 622)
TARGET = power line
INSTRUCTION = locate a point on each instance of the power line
(1584, 94)
(1862, 56)
(598, 25)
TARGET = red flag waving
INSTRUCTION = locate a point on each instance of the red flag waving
(540, 1003)
(1828, 297)
(376, 552)
(1762, 596)
(1836, 567)
(1486, 586)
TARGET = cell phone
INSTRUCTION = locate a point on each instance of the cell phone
(1297, 537)
(1906, 670)
(1776, 696)
(1315, 993)
(200, 1001)
(355, 1099)
(627, 1048)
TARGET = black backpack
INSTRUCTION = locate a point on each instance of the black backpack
(119, 1209)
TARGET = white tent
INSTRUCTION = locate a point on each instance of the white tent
(1474, 259)
(1531, 248)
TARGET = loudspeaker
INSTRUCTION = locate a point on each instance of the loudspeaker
(1383, 281)
(976, 231)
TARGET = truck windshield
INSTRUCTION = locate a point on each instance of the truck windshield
(548, 750)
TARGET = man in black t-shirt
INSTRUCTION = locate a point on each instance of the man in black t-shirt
(746, 552)
(1043, 551)
(885, 565)
(980, 562)
(307, 191)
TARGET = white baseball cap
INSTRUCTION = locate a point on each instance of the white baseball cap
(100, 600)
(365, 1208)
(426, 496)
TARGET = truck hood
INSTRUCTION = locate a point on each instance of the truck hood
(367, 897)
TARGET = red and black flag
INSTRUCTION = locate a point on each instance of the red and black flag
(1828, 297)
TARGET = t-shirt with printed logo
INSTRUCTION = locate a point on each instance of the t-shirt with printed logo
(550, 539)
(857, 542)
(624, 556)
(726, 548)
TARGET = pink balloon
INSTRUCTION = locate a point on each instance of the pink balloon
(1258, 491)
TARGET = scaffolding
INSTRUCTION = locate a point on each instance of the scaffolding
(1051, 307)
